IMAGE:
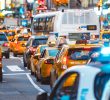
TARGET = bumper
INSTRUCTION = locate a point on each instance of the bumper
(19, 51)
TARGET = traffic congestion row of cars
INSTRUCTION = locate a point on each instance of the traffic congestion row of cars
(74, 71)
(12, 40)
(79, 71)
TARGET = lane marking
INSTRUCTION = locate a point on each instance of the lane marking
(14, 68)
(32, 82)
(16, 74)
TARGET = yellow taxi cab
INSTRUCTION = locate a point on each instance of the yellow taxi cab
(0, 64)
(12, 42)
(35, 58)
(70, 55)
(19, 44)
(44, 65)
(10, 34)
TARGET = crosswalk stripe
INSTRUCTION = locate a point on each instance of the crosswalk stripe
(14, 68)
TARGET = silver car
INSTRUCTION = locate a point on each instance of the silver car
(4, 43)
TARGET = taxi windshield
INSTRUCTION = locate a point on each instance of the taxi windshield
(3, 37)
(81, 53)
(37, 42)
(53, 52)
(106, 36)
(10, 34)
(23, 39)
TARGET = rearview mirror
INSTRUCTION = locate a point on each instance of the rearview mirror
(42, 96)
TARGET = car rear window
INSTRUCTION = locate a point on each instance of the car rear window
(81, 53)
(37, 42)
(3, 37)
(23, 39)
(53, 52)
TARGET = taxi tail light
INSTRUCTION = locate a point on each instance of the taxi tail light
(64, 60)
(95, 36)
(6, 45)
(88, 49)
(49, 61)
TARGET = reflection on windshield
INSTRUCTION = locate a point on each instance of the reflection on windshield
(106, 36)
(81, 54)
(37, 42)
(3, 37)
(53, 53)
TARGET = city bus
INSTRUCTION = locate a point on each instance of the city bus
(75, 24)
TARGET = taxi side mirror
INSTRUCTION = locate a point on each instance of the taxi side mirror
(42, 96)
(37, 56)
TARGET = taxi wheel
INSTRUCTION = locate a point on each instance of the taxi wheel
(7, 56)
(28, 66)
(37, 79)
(52, 80)
(14, 54)
(25, 65)
(32, 73)
(1, 75)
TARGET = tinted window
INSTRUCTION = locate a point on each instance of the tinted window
(81, 53)
(3, 37)
(37, 42)
(23, 39)
(99, 85)
(53, 53)
(67, 88)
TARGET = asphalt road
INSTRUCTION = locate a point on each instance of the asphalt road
(18, 83)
